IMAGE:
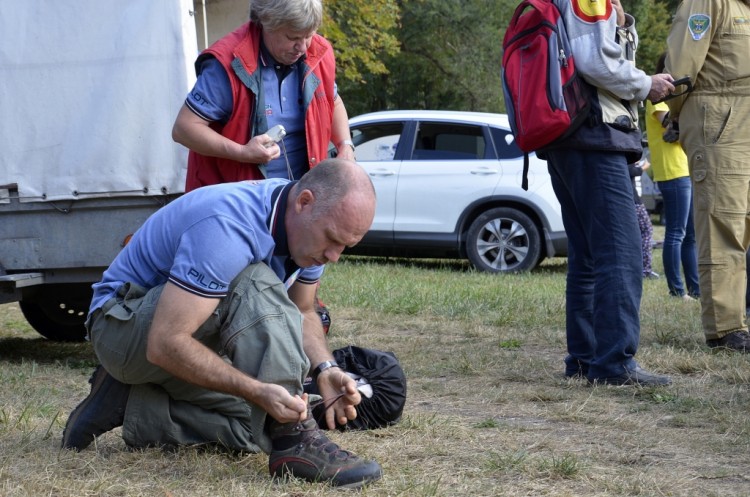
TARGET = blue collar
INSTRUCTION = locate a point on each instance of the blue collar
(276, 224)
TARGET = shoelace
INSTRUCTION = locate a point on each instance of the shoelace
(327, 404)
(319, 438)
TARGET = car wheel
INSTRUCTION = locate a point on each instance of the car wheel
(503, 240)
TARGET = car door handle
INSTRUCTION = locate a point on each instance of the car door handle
(382, 172)
(485, 171)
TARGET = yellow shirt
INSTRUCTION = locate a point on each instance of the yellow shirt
(668, 160)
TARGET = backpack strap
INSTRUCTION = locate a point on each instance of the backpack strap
(525, 178)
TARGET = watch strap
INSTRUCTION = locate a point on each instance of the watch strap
(322, 367)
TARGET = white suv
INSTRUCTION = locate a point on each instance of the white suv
(449, 186)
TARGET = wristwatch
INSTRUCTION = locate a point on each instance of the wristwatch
(322, 367)
(346, 142)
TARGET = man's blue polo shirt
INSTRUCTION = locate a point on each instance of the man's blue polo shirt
(204, 239)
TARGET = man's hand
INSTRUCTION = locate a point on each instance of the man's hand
(661, 86)
(334, 382)
(280, 405)
(620, 12)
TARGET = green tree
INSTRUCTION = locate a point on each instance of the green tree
(363, 35)
(671, 4)
(442, 54)
(457, 46)
(447, 54)
(652, 23)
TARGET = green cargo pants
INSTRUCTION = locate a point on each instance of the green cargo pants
(256, 328)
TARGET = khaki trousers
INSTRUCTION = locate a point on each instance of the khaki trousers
(714, 135)
(256, 328)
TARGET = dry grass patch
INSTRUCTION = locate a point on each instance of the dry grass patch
(488, 412)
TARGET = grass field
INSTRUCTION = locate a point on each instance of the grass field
(489, 412)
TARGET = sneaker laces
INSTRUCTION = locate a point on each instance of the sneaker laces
(327, 404)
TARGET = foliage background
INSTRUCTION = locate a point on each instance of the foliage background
(443, 54)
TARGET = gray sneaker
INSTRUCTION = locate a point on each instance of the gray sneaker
(637, 376)
(302, 450)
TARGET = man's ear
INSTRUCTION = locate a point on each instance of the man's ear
(304, 200)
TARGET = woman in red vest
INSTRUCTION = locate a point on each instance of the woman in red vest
(273, 70)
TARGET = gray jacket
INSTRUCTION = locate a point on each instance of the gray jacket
(605, 55)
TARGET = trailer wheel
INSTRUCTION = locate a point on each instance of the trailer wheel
(58, 312)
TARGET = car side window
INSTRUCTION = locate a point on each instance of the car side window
(441, 141)
(505, 144)
(377, 142)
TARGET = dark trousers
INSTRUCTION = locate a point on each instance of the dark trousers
(604, 282)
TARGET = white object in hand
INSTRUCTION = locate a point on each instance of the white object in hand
(276, 133)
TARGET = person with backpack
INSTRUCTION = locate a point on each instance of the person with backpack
(590, 177)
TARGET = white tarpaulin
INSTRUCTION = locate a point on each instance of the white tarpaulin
(89, 90)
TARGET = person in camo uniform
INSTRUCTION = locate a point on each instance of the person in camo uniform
(710, 42)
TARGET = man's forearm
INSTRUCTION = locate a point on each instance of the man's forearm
(314, 339)
(172, 347)
(191, 361)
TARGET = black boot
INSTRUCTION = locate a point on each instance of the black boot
(101, 411)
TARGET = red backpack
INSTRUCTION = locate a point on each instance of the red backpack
(545, 97)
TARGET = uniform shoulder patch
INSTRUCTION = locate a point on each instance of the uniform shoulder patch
(592, 10)
(698, 25)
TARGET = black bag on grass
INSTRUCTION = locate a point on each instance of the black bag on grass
(378, 375)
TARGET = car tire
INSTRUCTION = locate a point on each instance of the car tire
(503, 240)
